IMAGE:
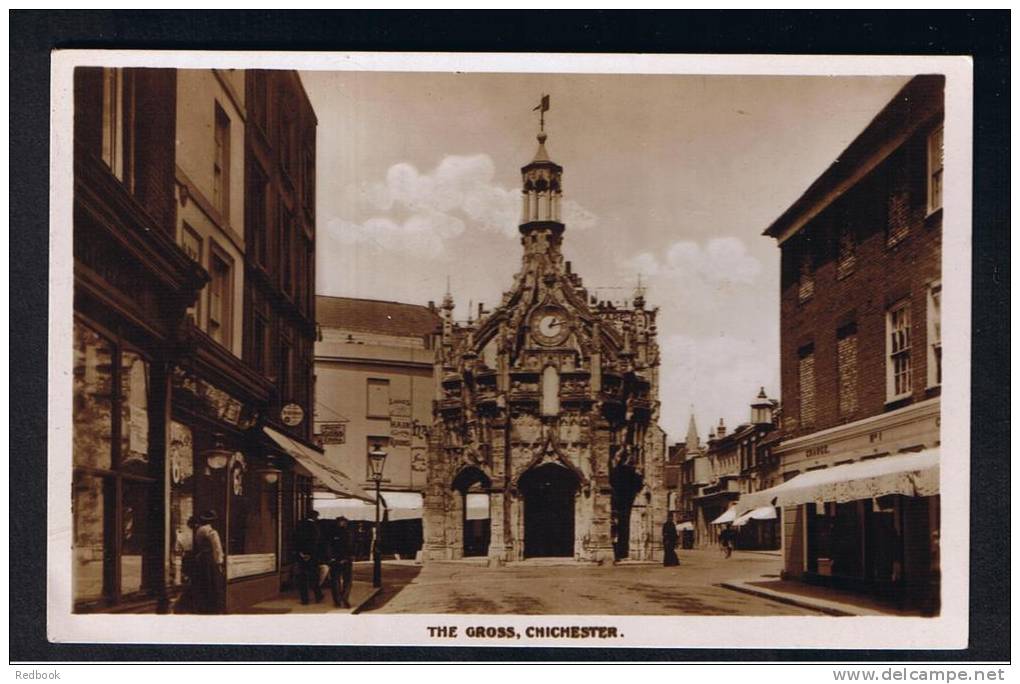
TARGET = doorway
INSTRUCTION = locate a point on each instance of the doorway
(476, 527)
(549, 492)
(626, 484)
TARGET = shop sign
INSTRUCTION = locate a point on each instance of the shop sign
(211, 400)
(292, 414)
(333, 433)
(401, 425)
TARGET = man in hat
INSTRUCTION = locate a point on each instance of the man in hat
(307, 548)
(208, 583)
(341, 562)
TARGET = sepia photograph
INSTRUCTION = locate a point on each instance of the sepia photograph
(509, 349)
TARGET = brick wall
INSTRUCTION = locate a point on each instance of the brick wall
(891, 200)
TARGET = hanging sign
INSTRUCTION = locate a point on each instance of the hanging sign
(292, 415)
(333, 433)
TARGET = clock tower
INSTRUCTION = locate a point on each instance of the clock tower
(545, 439)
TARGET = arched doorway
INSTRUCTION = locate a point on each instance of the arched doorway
(473, 486)
(626, 483)
(548, 492)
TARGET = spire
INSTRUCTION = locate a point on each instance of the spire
(692, 434)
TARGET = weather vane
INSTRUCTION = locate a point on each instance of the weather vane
(542, 108)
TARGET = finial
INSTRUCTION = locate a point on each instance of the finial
(542, 108)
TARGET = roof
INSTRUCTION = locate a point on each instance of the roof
(916, 103)
(374, 316)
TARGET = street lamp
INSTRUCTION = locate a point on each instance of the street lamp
(376, 462)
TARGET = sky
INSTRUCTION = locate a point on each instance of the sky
(667, 178)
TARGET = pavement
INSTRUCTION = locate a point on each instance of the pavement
(289, 602)
(548, 587)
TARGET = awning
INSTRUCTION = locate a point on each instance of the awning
(727, 517)
(329, 475)
(913, 474)
(395, 506)
(763, 513)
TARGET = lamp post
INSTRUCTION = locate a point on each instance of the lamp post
(376, 461)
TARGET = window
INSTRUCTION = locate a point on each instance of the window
(898, 352)
(112, 483)
(221, 164)
(846, 259)
(220, 295)
(118, 124)
(258, 215)
(935, 153)
(260, 343)
(935, 335)
(846, 369)
(806, 383)
(286, 382)
(378, 398)
(806, 287)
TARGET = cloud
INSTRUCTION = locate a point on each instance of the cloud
(718, 333)
(414, 212)
(719, 375)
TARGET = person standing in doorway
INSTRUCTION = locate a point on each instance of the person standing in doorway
(307, 548)
(669, 557)
(209, 585)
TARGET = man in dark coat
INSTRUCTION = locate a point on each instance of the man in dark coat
(307, 548)
(669, 557)
(341, 562)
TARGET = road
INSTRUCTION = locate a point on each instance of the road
(541, 587)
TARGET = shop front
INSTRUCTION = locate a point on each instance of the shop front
(868, 526)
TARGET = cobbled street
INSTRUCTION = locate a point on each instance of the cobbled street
(547, 587)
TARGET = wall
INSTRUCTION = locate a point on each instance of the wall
(882, 276)
(198, 92)
(342, 372)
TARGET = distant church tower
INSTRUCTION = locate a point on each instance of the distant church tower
(545, 439)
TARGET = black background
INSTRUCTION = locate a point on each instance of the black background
(983, 35)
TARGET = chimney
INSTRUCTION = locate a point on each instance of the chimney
(720, 431)
(568, 265)
(432, 306)
(481, 310)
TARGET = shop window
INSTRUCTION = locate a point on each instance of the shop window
(221, 163)
(806, 385)
(846, 369)
(935, 335)
(254, 512)
(134, 413)
(898, 367)
(182, 500)
(378, 398)
(93, 399)
(113, 483)
(935, 156)
(221, 287)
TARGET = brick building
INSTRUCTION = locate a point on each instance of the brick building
(548, 405)
(193, 328)
(861, 359)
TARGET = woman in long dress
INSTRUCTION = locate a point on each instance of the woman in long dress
(669, 539)
(209, 583)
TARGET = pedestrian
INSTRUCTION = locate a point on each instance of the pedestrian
(341, 563)
(726, 538)
(669, 557)
(306, 546)
(208, 584)
(186, 569)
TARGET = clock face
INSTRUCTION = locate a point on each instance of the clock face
(550, 326)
